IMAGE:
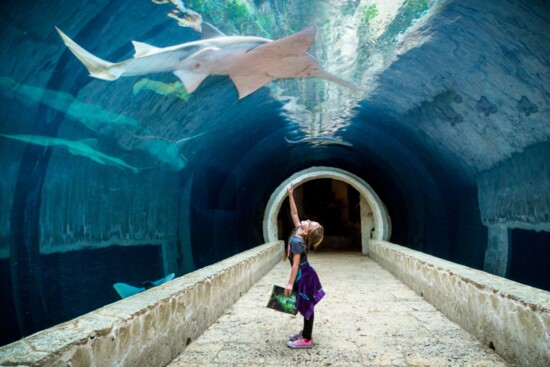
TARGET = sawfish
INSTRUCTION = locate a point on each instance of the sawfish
(91, 116)
(98, 119)
(251, 62)
(80, 147)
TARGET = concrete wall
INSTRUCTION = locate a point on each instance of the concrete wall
(150, 328)
(511, 317)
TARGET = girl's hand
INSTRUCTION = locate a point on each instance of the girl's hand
(288, 291)
(290, 189)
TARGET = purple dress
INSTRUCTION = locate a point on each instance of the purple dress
(307, 283)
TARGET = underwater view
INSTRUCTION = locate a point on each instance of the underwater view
(141, 141)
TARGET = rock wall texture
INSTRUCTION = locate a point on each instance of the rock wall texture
(150, 328)
(512, 318)
(516, 192)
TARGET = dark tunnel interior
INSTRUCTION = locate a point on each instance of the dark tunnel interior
(132, 179)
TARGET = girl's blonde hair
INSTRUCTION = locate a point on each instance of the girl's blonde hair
(313, 238)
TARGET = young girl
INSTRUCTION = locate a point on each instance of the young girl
(303, 278)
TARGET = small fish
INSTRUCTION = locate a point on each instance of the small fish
(162, 88)
(322, 140)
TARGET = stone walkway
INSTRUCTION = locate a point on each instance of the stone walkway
(368, 318)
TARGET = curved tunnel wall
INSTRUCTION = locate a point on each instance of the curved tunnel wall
(187, 178)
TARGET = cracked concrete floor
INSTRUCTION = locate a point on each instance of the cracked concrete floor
(368, 318)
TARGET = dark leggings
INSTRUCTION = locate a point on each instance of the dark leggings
(308, 328)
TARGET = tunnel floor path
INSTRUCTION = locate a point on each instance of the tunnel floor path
(367, 318)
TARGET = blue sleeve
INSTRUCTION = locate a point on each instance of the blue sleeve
(297, 246)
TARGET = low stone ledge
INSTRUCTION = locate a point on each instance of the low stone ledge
(510, 317)
(150, 328)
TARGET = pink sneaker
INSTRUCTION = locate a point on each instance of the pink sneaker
(295, 336)
(300, 343)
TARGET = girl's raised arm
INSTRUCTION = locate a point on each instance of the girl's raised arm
(293, 208)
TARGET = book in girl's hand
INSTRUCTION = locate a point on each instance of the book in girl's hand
(279, 302)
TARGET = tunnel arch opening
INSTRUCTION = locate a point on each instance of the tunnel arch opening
(375, 222)
(333, 203)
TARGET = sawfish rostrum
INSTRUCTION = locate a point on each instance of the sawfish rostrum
(250, 62)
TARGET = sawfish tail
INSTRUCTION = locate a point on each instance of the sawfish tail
(97, 67)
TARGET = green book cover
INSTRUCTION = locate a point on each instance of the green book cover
(278, 301)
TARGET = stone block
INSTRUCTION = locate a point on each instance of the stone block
(510, 317)
(152, 327)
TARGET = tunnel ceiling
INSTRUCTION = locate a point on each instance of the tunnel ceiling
(477, 89)
(444, 86)
(465, 80)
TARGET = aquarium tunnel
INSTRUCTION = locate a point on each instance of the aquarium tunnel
(425, 123)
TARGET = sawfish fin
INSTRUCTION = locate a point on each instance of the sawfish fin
(209, 31)
(192, 73)
(124, 290)
(248, 84)
(143, 49)
(167, 278)
(190, 79)
(297, 43)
